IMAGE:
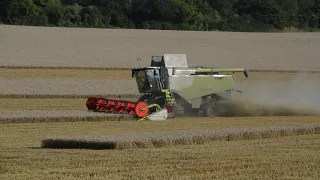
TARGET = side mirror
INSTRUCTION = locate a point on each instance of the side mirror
(155, 73)
(246, 73)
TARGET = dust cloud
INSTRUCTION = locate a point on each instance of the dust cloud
(300, 96)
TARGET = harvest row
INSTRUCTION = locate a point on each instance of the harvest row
(178, 137)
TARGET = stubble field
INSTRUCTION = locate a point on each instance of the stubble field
(46, 75)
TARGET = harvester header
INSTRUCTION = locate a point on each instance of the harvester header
(169, 86)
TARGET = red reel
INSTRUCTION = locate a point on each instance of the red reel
(118, 106)
(142, 113)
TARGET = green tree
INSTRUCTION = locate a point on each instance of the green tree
(117, 12)
(224, 7)
(315, 15)
(265, 11)
(207, 17)
(91, 17)
(317, 2)
(3, 8)
(55, 14)
(303, 14)
(45, 3)
(290, 12)
(41, 19)
(201, 15)
(21, 11)
(71, 15)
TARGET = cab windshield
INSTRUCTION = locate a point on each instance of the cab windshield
(146, 79)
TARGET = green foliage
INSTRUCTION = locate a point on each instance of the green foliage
(21, 11)
(207, 17)
(314, 15)
(41, 19)
(71, 15)
(199, 15)
(307, 14)
(47, 2)
(3, 5)
(267, 12)
(55, 14)
(91, 17)
(290, 12)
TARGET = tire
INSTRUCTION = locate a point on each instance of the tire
(209, 110)
(172, 111)
(188, 111)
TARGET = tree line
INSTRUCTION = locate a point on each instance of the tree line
(199, 15)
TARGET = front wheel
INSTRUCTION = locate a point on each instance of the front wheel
(209, 110)
(172, 110)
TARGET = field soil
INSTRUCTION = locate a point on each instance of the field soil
(10, 104)
(56, 86)
(126, 74)
(30, 104)
(47, 114)
(43, 46)
(112, 82)
(66, 73)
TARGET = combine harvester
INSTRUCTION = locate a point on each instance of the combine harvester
(169, 86)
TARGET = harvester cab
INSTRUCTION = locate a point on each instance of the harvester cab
(169, 86)
(151, 79)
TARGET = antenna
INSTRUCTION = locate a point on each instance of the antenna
(138, 62)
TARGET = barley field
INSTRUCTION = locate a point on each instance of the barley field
(46, 74)
(292, 157)
(64, 86)
(177, 137)
(295, 157)
(65, 73)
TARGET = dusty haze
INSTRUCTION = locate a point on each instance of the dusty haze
(298, 96)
